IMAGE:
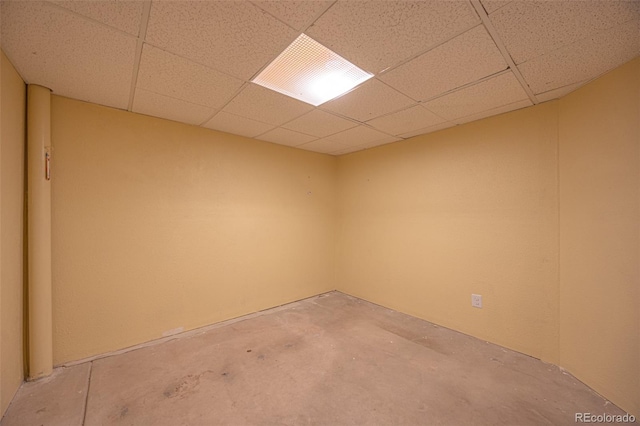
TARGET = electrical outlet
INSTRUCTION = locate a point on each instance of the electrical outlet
(476, 300)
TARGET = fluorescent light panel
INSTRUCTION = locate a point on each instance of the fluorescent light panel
(308, 71)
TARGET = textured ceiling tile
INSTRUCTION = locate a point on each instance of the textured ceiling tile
(123, 15)
(492, 5)
(532, 28)
(492, 93)
(71, 55)
(286, 137)
(583, 60)
(168, 74)
(369, 100)
(361, 135)
(86, 51)
(495, 111)
(243, 126)
(429, 129)
(297, 14)
(559, 92)
(465, 59)
(414, 118)
(234, 37)
(323, 145)
(150, 103)
(378, 34)
(257, 103)
(319, 123)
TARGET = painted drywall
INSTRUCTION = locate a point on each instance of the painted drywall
(426, 222)
(12, 143)
(537, 210)
(159, 226)
(600, 235)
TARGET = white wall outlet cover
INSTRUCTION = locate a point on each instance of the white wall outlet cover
(476, 300)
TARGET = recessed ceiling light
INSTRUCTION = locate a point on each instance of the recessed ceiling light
(308, 71)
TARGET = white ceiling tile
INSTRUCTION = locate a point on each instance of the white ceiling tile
(495, 111)
(168, 74)
(87, 51)
(378, 34)
(465, 59)
(532, 28)
(369, 100)
(231, 123)
(257, 103)
(319, 123)
(234, 37)
(429, 129)
(72, 56)
(404, 121)
(492, 93)
(559, 92)
(324, 146)
(123, 15)
(584, 59)
(297, 14)
(492, 5)
(286, 137)
(149, 103)
(361, 135)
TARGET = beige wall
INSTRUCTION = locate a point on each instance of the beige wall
(159, 225)
(537, 210)
(600, 235)
(12, 143)
(473, 209)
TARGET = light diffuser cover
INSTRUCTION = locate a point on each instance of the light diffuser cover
(308, 71)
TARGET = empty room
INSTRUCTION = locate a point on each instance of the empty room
(325, 212)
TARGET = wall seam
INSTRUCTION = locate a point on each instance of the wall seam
(558, 295)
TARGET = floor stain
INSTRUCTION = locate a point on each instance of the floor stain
(120, 414)
(186, 386)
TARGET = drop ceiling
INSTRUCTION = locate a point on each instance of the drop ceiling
(436, 64)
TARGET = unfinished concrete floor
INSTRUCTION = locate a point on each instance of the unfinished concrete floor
(329, 360)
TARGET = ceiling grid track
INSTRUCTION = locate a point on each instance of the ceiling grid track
(146, 11)
(428, 49)
(240, 89)
(465, 86)
(503, 50)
